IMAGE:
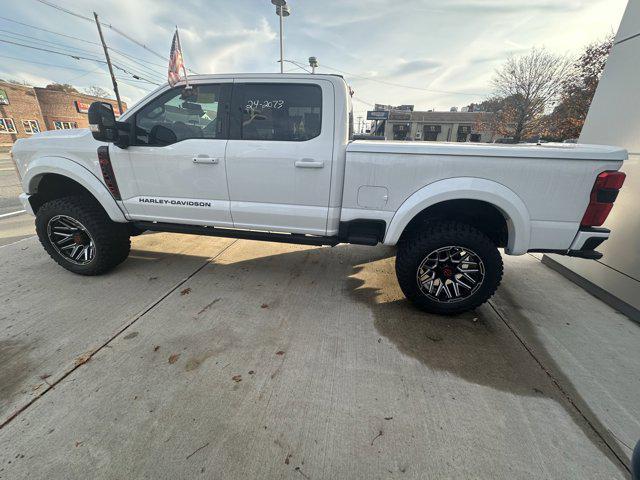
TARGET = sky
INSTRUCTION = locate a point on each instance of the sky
(434, 54)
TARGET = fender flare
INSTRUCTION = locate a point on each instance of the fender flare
(505, 200)
(68, 168)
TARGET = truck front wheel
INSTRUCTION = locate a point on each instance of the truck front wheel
(448, 268)
(77, 233)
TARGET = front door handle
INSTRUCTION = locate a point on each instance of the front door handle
(309, 163)
(206, 160)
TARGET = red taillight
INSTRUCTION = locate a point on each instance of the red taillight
(107, 171)
(603, 194)
(610, 180)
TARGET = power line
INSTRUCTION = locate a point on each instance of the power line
(72, 79)
(75, 38)
(384, 82)
(77, 57)
(142, 69)
(362, 101)
(62, 9)
(26, 38)
(80, 57)
(119, 52)
(134, 65)
(64, 67)
(50, 31)
(108, 25)
(45, 64)
(297, 64)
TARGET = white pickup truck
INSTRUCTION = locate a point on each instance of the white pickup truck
(271, 157)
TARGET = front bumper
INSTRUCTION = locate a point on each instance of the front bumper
(584, 244)
(26, 204)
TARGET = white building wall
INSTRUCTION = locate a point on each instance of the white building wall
(614, 119)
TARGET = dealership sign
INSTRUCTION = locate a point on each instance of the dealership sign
(378, 115)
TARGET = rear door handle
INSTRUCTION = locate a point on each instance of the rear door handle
(206, 160)
(309, 163)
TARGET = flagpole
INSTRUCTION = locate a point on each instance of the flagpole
(184, 70)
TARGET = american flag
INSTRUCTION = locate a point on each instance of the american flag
(175, 61)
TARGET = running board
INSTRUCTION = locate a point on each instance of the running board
(242, 234)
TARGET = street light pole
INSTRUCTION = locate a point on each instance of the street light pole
(281, 45)
(282, 10)
(313, 63)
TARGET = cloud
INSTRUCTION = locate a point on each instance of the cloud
(451, 45)
(415, 66)
(510, 6)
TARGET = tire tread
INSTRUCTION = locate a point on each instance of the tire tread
(111, 238)
(412, 249)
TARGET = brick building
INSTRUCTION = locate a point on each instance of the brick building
(20, 114)
(26, 110)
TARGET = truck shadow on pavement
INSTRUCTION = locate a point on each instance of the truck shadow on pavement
(478, 347)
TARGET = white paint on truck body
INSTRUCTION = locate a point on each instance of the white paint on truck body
(542, 190)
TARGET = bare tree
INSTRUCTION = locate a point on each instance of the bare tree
(96, 91)
(528, 86)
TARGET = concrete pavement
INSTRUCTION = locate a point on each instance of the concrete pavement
(216, 358)
(12, 227)
(10, 186)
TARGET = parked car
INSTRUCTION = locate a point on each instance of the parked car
(270, 157)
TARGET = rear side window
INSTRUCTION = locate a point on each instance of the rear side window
(278, 111)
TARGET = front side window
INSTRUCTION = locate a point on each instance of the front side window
(181, 114)
(7, 125)
(278, 111)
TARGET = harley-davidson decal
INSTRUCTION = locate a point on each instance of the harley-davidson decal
(172, 201)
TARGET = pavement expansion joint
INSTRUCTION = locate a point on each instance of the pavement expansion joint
(87, 356)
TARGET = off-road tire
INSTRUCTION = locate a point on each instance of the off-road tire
(111, 239)
(413, 249)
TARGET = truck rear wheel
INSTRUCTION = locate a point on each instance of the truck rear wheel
(448, 268)
(77, 233)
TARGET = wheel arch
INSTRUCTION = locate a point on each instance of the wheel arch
(456, 195)
(48, 178)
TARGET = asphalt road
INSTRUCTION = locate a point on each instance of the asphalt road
(14, 224)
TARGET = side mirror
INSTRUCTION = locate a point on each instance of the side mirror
(102, 122)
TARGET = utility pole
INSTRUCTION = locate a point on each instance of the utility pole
(106, 55)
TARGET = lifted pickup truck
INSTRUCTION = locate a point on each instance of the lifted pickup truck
(270, 157)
